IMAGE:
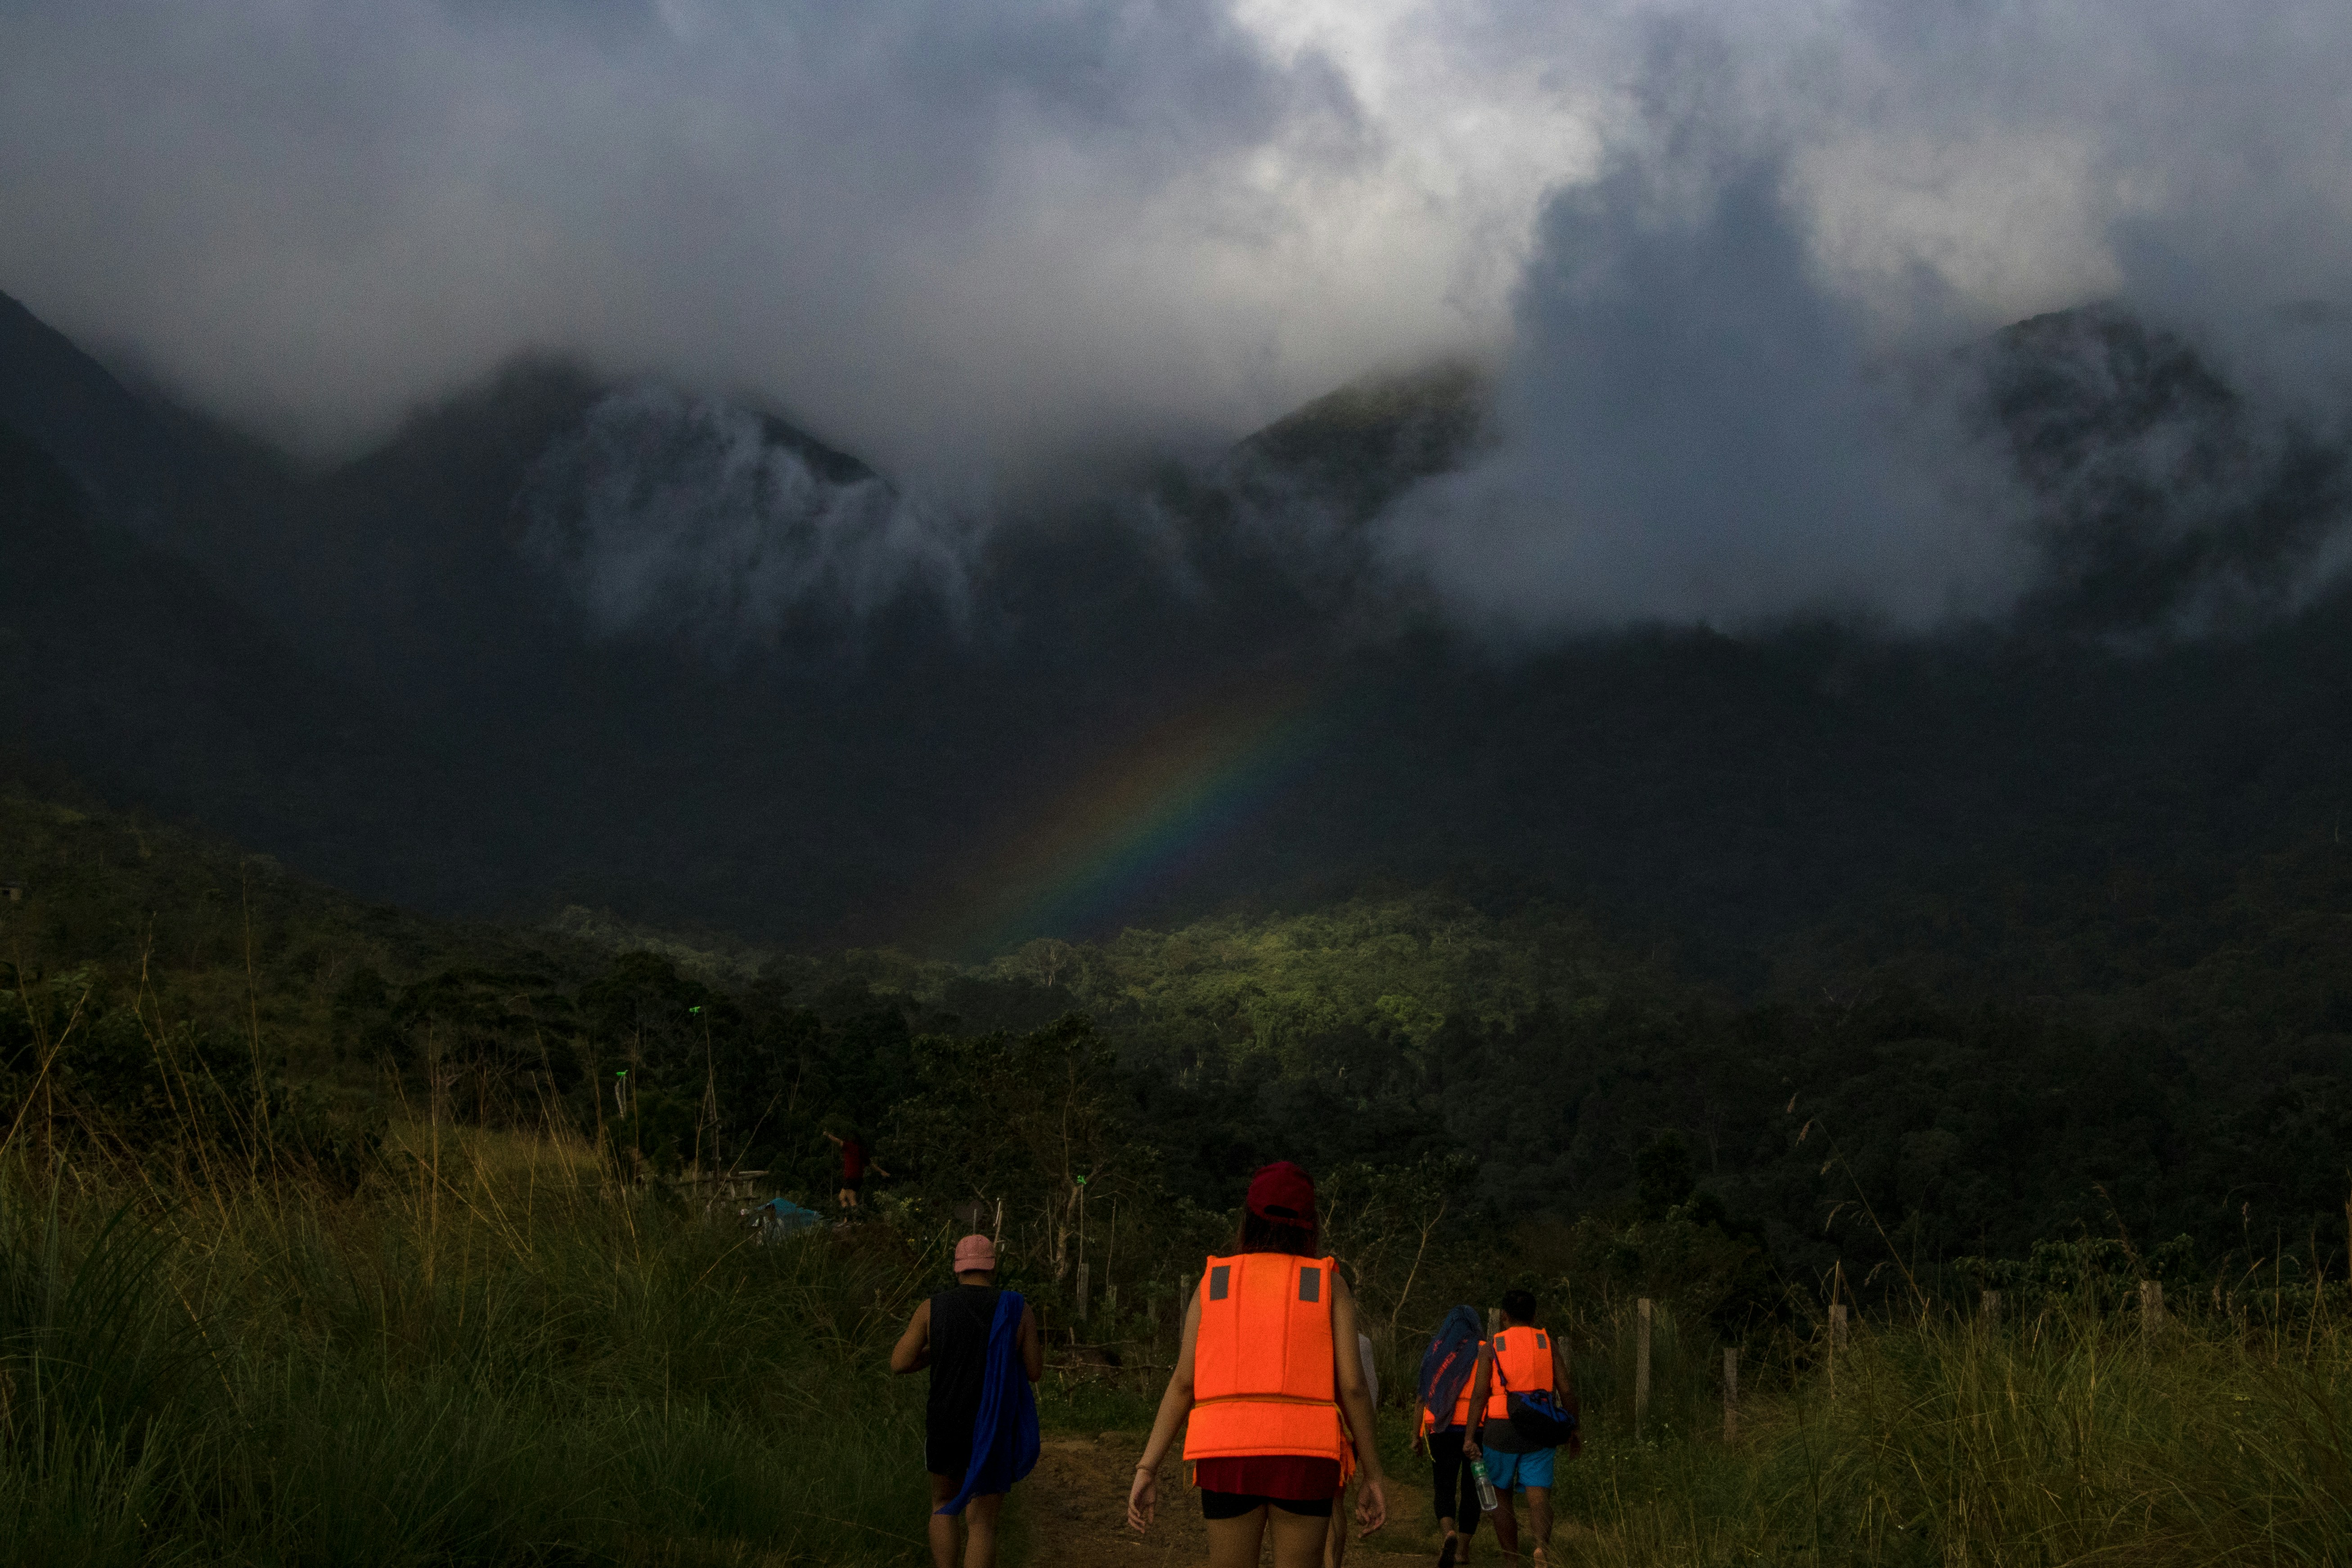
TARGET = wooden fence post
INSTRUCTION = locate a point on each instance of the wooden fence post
(1731, 1394)
(1990, 1308)
(1837, 1342)
(1640, 1364)
(1082, 1292)
(1110, 1301)
(2151, 1309)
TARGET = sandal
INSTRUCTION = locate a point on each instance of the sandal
(1446, 1553)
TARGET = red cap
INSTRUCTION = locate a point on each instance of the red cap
(1283, 1194)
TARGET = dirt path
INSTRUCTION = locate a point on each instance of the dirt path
(1075, 1507)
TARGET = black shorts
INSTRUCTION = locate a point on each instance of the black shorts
(1233, 1505)
(851, 1185)
(947, 1448)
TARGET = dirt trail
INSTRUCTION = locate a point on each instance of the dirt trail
(1075, 1503)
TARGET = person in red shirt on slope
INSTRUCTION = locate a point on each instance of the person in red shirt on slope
(853, 1167)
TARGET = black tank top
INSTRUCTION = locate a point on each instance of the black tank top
(960, 1320)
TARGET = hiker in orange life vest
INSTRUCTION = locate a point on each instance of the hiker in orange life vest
(1521, 1353)
(1447, 1370)
(1273, 1385)
(969, 1337)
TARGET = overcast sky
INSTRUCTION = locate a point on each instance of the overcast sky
(951, 234)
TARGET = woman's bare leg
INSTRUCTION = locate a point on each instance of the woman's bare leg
(1299, 1539)
(1335, 1540)
(1234, 1543)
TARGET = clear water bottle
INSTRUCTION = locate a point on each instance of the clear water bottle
(1488, 1501)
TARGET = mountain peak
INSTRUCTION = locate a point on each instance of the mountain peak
(1379, 433)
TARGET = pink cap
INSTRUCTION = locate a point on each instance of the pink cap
(973, 1253)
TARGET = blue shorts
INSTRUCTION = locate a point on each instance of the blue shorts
(1509, 1471)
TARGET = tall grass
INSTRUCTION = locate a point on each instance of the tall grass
(491, 1354)
(2072, 1437)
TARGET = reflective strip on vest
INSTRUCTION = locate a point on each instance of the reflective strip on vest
(1263, 1378)
(1523, 1359)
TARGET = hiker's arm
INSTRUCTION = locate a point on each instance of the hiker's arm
(1143, 1496)
(913, 1350)
(1033, 1344)
(1479, 1383)
(1356, 1399)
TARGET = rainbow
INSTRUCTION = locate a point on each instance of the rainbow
(1131, 819)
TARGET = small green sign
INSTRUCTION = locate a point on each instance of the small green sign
(1079, 1180)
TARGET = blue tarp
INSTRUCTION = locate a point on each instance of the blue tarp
(781, 1216)
(1004, 1443)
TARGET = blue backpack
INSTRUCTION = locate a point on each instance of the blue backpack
(1535, 1416)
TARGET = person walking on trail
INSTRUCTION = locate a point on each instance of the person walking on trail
(1270, 1387)
(1335, 1541)
(855, 1163)
(1447, 1370)
(1520, 1359)
(979, 1427)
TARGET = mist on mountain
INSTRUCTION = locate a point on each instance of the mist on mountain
(683, 520)
(614, 645)
(1696, 427)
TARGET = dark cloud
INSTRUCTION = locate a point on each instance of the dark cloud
(1694, 426)
(1719, 247)
(1733, 390)
(934, 225)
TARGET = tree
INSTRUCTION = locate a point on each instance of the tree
(1027, 1119)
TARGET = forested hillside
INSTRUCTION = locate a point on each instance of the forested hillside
(1512, 1072)
(563, 640)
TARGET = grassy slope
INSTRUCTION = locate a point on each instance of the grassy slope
(490, 1355)
(488, 1352)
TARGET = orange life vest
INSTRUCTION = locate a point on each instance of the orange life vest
(1522, 1365)
(1262, 1376)
(1429, 1422)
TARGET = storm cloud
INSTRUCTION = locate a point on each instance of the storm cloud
(1740, 384)
(1718, 249)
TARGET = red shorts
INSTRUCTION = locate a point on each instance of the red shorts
(1301, 1478)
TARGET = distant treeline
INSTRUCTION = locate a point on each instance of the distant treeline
(1513, 1088)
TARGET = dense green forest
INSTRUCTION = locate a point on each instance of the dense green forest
(333, 1232)
(1543, 1088)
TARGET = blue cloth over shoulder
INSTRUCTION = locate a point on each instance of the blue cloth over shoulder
(1447, 1365)
(1004, 1443)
